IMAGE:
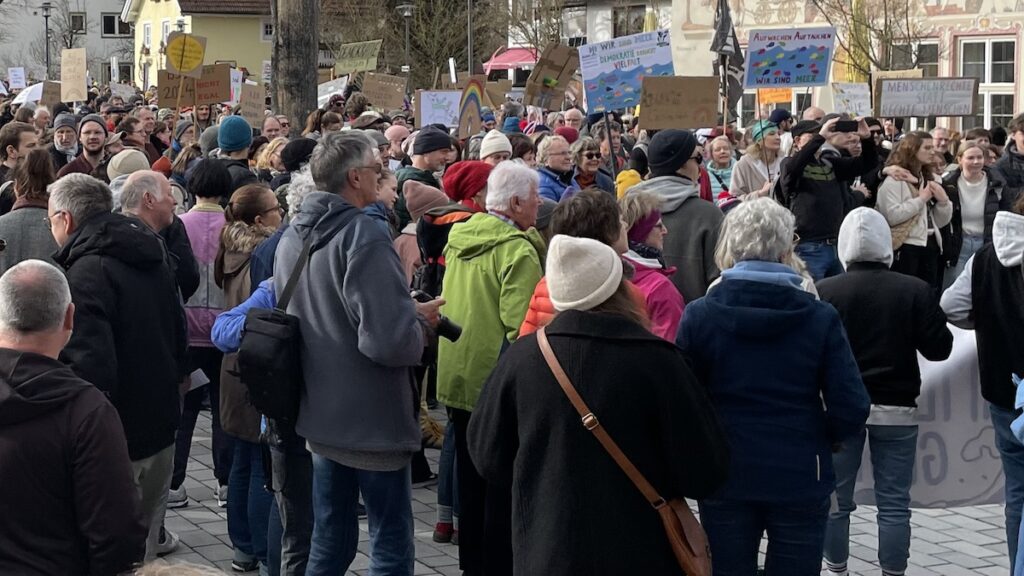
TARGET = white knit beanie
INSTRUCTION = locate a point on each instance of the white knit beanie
(493, 143)
(581, 273)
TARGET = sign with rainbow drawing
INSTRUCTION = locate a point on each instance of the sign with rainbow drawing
(789, 57)
(469, 107)
(614, 71)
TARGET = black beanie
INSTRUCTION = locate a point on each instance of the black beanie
(430, 139)
(296, 153)
(804, 126)
(669, 150)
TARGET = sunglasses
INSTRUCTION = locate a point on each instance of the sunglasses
(592, 155)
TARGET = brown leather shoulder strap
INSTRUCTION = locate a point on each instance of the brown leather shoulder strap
(590, 422)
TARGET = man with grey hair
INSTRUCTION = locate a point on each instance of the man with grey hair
(493, 264)
(362, 429)
(62, 449)
(148, 121)
(129, 339)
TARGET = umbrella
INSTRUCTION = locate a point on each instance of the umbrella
(31, 94)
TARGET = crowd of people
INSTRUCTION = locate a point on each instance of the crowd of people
(742, 311)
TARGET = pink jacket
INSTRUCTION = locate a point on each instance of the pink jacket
(664, 303)
(203, 225)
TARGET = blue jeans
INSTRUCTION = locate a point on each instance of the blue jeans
(447, 479)
(970, 246)
(893, 450)
(821, 258)
(796, 532)
(1011, 452)
(388, 500)
(248, 502)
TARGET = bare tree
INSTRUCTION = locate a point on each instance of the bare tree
(296, 43)
(536, 23)
(69, 24)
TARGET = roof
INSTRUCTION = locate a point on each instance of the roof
(512, 58)
(238, 7)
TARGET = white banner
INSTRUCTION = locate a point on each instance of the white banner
(16, 78)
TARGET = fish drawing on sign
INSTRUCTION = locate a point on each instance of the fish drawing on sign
(663, 38)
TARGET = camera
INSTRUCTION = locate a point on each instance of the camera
(445, 328)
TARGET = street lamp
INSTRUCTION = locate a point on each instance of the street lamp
(406, 11)
(180, 24)
(46, 19)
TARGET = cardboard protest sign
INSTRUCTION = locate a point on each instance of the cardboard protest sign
(357, 57)
(469, 106)
(922, 97)
(252, 104)
(878, 76)
(123, 90)
(437, 107)
(495, 92)
(679, 102)
(384, 91)
(73, 68)
(789, 57)
(775, 95)
(212, 87)
(185, 54)
(613, 71)
(325, 90)
(16, 78)
(51, 94)
(551, 76)
(852, 98)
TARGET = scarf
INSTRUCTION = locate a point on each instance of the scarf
(649, 252)
(71, 151)
(586, 180)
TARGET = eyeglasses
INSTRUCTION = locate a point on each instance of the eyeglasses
(48, 219)
(699, 159)
(279, 208)
(563, 153)
(377, 168)
(592, 155)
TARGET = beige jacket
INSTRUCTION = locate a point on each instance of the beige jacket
(898, 202)
(750, 174)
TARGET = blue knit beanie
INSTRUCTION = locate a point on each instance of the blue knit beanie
(235, 134)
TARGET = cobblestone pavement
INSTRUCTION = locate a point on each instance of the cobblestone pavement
(952, 542)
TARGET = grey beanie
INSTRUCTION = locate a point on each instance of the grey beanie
(208, 139)
(180, 128)
(93, 118)
(65, 120)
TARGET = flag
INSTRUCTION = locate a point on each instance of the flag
(726, 46)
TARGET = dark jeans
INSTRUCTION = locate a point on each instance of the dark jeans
(796, 536)
(921, 262)
(821, 259)
(485, 521)
(248, 501)
(293, 488)
(1011, 452)
(208, 360)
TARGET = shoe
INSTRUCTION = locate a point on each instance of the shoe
(222, 496)
(167, 543)
(360, 511)
(242, 562)
(443, 532)
(424, 482)
(177, 498)
(455, 538)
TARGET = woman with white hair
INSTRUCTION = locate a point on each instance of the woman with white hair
(555, 168)
(794, 392)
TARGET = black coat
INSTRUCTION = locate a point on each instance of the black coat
(953, 233)
(183, 260)
(129, 337)
(889, 318)
(68, 504)
(240, 174)
(574, 511)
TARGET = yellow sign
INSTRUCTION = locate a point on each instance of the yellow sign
(185, 53)
(775, 95)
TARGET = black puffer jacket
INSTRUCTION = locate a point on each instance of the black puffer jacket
(1010, 169)
(953, 233)
(129, 339)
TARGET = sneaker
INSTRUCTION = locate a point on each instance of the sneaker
(243, 562)
(455, 538)
(360, 511)
(428, 480)
(443, 532)
(222, 496)
(167, 543)
(177, 498)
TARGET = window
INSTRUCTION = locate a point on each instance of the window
(803, 101)
(992, 62)
(628, 19)
(113, 26)
(266, 30)
(76, 21)
(124, 73)
(574, 24)
(903, 57)
(165, 31)
(748, 108)
(147, 34)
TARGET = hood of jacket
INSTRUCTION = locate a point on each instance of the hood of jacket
(642, 265)
(32, 385)
(865, 236)
(322, 216)
(238, 240)
(759, 299)
(673, 191)
(1008, 238)
(483, 233)
(108, 234)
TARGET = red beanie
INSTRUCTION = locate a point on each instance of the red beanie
(569, 133)
(464, 180)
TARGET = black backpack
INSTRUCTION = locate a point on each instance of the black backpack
(432, 236)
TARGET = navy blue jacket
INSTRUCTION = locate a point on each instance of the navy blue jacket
(785, 385)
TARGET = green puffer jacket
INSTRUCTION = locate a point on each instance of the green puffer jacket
(491, 270)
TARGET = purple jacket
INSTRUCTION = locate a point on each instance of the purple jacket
(664, 303)
(203, 225)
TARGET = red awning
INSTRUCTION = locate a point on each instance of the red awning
(512, 58)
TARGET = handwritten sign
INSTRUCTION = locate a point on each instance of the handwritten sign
(16, 78)
(878, 76)
(252, 105)
(921, 97)
(775, 95)
(185, 54)
(679, 102)
(73, 69)
(327, 89)
(384, 91)
(469, 106)
(550, 77)
(212, 87)
(437, 107)
(51, 94)
(852, 98)
(236, 86)
(613, 71)
(123, 90)
(789, 57)
(357, 57)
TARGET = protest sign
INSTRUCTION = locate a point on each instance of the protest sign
(923, 97)
(775, 95)
(236, 86)
(73, 69)
(123, 90)
(496, 91)
(185, 54)
(252, 104)
(384, 91)
(679, 102)
(212, 87)
(357, 57)
(878, 76)
(3, 89)
(437, 107)
(268, 72)
(469, 106)
(551, 76)
(613, 71)
(852, 98)
(16, 78)
(51, 94)
(789, 57)
(327, 89)
(115, 70)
